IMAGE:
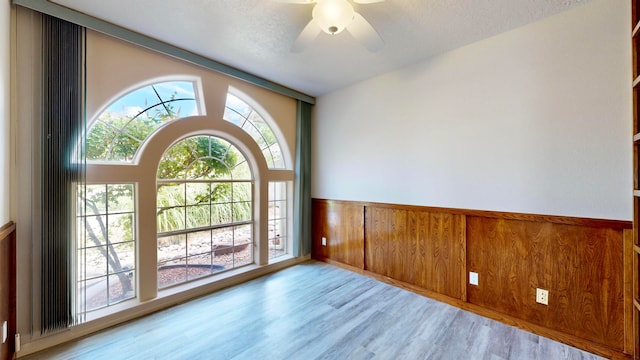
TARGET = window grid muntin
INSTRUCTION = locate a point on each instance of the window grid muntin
(241, 114)
(108, 274)
(278, 219)
(231, 198)
(211, 203)
(234, 249)
(113, 115)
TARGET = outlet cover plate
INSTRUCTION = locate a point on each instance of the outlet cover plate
(5, 331)
(473, 278)
(324, 241)
(542, 296)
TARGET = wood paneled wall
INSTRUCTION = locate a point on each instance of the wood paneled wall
(581, 267)
(421, 248)
(342, 224)
(580, 261)
(8, 287)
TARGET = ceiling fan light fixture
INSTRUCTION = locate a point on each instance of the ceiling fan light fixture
(333, 16)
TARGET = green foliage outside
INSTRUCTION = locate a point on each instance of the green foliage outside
(180, 205)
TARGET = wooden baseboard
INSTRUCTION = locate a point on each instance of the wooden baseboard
(506, 319)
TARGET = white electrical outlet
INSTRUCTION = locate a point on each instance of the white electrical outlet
(473, 278)
(5, 332)
(542, 296)
(324, 241)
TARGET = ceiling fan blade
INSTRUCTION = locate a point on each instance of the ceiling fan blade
(308, 34)
(295, 1)
(367, 1)
(365, 33)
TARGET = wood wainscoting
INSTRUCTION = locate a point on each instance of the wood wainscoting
(419, 247)
(343, 223)
(581, 262)
(8, 287)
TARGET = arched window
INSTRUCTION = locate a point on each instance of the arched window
(153, 159)
(241, 114)
(204, 210)
(251, 121)
(119, 131)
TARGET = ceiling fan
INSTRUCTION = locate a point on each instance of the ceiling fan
(334, 16)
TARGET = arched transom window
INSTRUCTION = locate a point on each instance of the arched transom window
(119, 131)
(241, 114)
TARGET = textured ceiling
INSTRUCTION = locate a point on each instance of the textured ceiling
(256, 35)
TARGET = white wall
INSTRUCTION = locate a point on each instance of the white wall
(535, 120)
(5, 127)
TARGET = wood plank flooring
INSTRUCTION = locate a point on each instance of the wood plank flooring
(313, 311)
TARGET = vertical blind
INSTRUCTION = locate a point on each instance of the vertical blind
(62, 165)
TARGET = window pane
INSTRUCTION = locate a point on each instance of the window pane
(122, 254)
(277, 230)
(242, 211)
(97, 298)
(278, 209)
(233, 117)
(96, 261)
(172, 272)
(95, 227)
(221, 214)
(171, 195)
(200, 158)
(209, 169)
(96, 200)
(123, 148)
(233, 157)
(199, 242)
(198, 216)
(250, 129)
(201, 259)
(100, 137)
(242, 191)
(171, 219)
(198, 193)
(241, 171)
(263, 128)
(120, 228)
(199, 266)
(120, 198)
(242, 250)
(172, 247)
(239, 106)
(221, 192)
(277, 191)
(276, 155)
(242, 235)
(120, 287)
(222, 238)
(242, 256)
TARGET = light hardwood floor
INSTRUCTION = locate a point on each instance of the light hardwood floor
(313, 311)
